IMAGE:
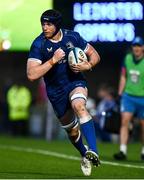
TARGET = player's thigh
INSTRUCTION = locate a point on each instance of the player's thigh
(63, 110)
(126, 117)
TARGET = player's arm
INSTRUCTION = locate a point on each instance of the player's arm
(35, 70)
(122, 81)
(93, 56)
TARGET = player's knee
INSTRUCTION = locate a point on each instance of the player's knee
(73, 133)
(78, 103)
(79, 107)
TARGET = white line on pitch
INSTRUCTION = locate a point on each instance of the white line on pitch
(64, 156)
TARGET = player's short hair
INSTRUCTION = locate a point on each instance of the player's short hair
(108, 88)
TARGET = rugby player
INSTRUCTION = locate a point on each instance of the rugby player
(66, 87)
(131, 90)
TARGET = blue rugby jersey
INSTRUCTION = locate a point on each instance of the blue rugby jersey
(60, 74)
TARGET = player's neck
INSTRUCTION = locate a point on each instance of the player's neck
(57, 37)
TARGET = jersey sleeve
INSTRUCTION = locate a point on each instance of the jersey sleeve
(83, 44)
(35, 53)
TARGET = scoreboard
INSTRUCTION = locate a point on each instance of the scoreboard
(104, 21)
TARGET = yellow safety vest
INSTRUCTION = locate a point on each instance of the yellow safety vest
(19, 99)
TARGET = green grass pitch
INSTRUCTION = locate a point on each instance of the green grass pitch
(28, 158)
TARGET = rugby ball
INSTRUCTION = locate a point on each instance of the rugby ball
(76, 55)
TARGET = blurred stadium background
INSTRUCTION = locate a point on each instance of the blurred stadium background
(111, 33)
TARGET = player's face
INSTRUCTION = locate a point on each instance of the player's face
(102, 93)
(48, 29)
(137, 50)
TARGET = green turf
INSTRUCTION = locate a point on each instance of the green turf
(19, 164)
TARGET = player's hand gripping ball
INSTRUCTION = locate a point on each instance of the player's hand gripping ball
(77, 60)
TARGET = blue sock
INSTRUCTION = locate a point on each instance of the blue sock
(80, 146)
(88, 131)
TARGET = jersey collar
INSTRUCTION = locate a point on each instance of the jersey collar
(54, 41)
